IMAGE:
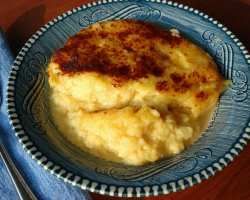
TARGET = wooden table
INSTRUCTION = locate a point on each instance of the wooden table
(21, 18)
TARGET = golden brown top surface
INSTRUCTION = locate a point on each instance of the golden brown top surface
(130, 50)
(106, 48)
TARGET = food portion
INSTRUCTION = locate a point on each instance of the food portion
(132, 92)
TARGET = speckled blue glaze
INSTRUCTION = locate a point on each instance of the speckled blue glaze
(225, 137)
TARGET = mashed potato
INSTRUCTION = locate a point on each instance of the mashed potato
(130, 92)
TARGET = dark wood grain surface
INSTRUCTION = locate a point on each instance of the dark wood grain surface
(21, 18)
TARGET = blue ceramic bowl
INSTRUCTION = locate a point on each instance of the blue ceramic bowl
(221, 142)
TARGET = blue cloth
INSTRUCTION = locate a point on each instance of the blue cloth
(43, 184)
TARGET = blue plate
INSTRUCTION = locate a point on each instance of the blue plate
(221, 142)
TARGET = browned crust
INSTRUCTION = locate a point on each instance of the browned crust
(80, 55)
(133, 40)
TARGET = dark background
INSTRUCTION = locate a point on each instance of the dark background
(21, 18)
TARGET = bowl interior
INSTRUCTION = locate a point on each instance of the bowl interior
(32, 91)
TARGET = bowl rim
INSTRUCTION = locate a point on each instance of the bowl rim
(102, 188)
